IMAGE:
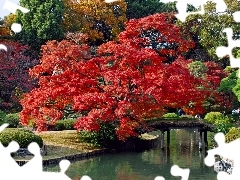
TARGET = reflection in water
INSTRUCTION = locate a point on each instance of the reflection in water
(148, 164)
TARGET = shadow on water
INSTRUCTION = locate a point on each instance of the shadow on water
(148, 164)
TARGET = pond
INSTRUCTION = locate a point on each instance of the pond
(148, 164)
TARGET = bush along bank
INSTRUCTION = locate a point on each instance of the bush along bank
(220, 122)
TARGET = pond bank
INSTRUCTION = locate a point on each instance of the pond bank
(84, 155)
(138, 144)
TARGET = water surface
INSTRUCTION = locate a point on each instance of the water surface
(148, 164)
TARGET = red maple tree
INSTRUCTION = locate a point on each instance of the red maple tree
(215, 100)
(127, 82)
(215, 74)
(14, 74)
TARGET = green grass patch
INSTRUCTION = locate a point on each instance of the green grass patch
(60, 144)
(68, 138)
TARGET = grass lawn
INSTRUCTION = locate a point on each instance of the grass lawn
(61, 143)
(68, 139)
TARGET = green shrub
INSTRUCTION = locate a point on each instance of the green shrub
(67, 124)
(233, 134)
(170, 116)
(104, 137)
(233, 117)
(12, 120)
(22, 136)
(197, 69)
(59, 126)
(211, 117)
(222, 125)
(2, 117)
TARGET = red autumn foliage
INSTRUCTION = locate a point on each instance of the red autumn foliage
(124, 84)
(214, 75)
(14, 74)
(217, 101)
(157, 32)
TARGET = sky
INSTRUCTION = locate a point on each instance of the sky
(4, 12)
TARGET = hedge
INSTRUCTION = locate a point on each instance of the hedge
(67, 124)
(22, 136)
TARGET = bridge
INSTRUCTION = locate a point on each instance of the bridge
(165, 125)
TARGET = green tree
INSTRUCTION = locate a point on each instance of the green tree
(41, 23)
(230, 85)
(236, 88)
(171, 7)
(198, 69)
(206, 29)
(142, 8)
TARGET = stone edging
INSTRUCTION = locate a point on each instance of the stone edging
(128, 145)
(55, 161)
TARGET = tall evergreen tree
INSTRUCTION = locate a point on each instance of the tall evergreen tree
(41, 23)
(142, 8)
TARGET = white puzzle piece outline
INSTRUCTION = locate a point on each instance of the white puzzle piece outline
(228, 150)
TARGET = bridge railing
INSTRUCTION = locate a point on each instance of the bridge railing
(178, 123)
